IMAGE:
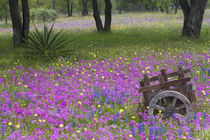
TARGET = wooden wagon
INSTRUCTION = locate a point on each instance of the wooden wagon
(168, 96)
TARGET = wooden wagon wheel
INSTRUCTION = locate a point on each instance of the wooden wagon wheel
(170, 102)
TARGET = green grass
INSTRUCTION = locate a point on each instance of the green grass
(93, 45)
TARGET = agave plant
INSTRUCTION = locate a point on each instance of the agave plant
(48, 43)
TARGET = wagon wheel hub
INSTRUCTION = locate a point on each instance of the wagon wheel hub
(169, 110)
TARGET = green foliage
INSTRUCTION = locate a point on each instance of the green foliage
(47, 44)
(43, 14)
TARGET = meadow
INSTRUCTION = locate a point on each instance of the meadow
(93, 93)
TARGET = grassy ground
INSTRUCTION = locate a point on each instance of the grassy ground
(131, 32)
(91, 45)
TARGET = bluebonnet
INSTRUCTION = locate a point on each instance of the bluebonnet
(133, 130)
(188, 118)
(107, 100)
(58, 109)
(156, 131)
(75, 113)
(204, 115)
(90, 116)
(150, 130)
(92, 113)
(112, 105)
(100, 101)
(101, 111)
(180, 132)
(139, 129)
(195, 115)
(127, 118)
(118, 114)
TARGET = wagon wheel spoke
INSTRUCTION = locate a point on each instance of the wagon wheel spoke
(174, 102)
(159, 107)
(180, 107)
(165, 101)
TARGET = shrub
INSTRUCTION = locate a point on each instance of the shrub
(43, 14)
(47, 44)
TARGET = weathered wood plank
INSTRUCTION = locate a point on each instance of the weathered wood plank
(155, 78)
(165, 77)
(161, 85)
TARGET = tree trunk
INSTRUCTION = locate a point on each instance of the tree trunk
(161, 7)
(85, 7)
(108, 15)
(167, 8)
(176, 4)
(53, 2)
(5, 14)
(26, 18)
(71, 10)
(118, 6)
(99, 8)
(16, 21)
(193, 17)
(1, 17)
(96, 16)
(68, 8)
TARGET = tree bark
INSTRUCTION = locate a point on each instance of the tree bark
(108, 15)
(20, 30)
(5, 14)
(85, 7)
(16, 21)
(118, 7)
(176, 4)
(68, 8)
(193, 17)
(1, 17)
(26, 19)
(96, 16)
(53, 2)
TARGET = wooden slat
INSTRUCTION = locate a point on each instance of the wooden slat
(161, 85)
(155, 78)
(165, 77)
(146, 95)
(146, 80)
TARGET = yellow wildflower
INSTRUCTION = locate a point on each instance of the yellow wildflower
(99, 105)
(35, 115)
(60, 125)
(10, 123)
(17, 126)
(121, 110)
(80, 102)
(130, 136)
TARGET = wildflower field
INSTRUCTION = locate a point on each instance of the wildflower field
(93, 95)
